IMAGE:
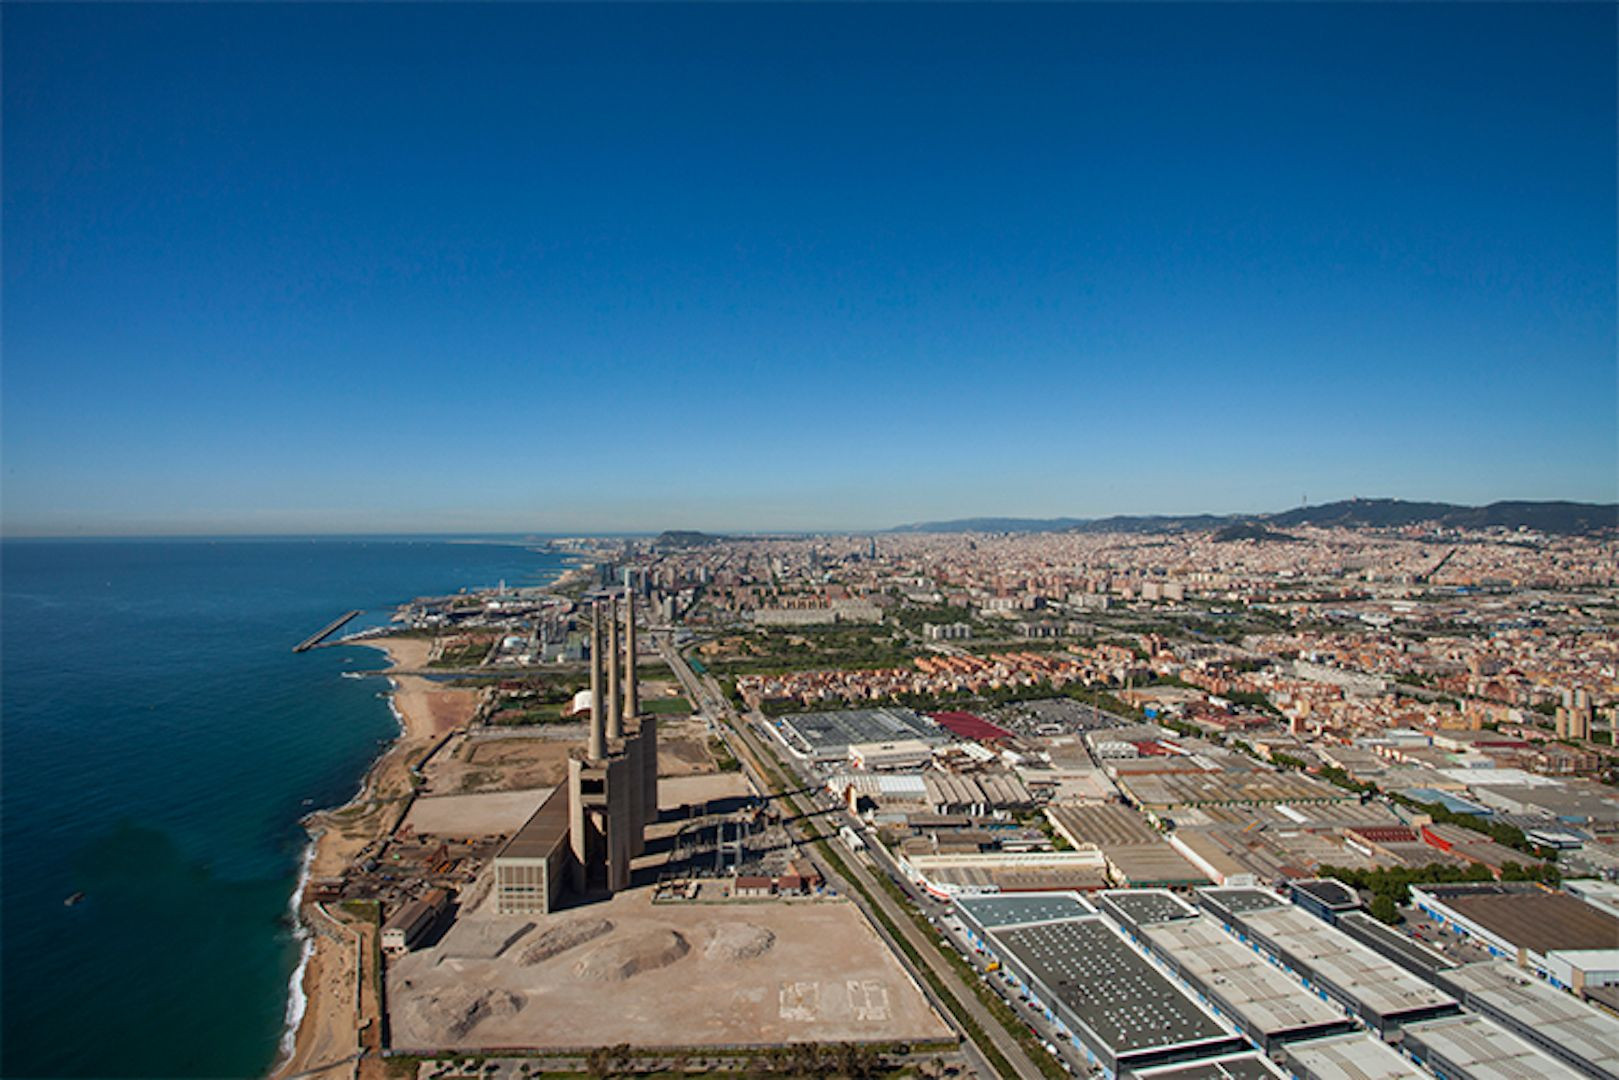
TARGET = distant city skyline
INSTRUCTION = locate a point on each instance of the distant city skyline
(302, 269)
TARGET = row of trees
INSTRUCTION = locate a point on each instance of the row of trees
(849, 1061)
(1391, 886)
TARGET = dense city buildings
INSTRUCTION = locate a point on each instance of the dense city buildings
(1192, 807)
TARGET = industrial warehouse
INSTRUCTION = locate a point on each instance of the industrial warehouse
(1378, 991)
(1148, 983)
(1122, 1012)
(1550, 1019)
(1475, 1048)
(1264, 1002)
(1361, 1056)
(827, 736)
(1226, 1067)
(1520, 921)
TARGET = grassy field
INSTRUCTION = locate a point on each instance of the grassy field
(776, 652)
(676, 706)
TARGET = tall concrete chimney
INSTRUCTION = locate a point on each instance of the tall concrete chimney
(598, 744)
(632, 702)
(615, 718)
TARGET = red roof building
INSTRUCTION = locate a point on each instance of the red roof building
(972, 727)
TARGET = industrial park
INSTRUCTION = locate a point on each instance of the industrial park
(1130, 847)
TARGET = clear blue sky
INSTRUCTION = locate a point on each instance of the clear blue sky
(294, 267)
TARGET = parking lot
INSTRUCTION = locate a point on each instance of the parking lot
(1451, 944)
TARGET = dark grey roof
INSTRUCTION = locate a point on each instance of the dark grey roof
(1113, 991)
(1381, 937)
(1146, 906)
(1231, 1067)
(1009, 909)
(1241, 901)
(1335, 894)
(541, 833)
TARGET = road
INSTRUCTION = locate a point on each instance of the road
(745, 745)
(936, 911)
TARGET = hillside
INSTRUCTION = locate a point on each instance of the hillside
(1556, 518)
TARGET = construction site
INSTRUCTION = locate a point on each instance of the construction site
(640, 864)
(712, 970)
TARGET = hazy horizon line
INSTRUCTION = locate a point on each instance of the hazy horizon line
(226, 532)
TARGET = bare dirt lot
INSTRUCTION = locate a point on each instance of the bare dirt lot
(683, 747)
(474, 815)
(499, 764)
(625, 970)
(538, 757)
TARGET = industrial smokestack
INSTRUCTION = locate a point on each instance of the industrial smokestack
(598, 744)
(615, 718)
(632, 703)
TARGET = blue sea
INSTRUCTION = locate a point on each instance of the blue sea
(158, 743)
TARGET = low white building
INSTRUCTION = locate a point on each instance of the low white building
(899, 754)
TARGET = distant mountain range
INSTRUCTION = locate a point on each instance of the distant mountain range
(1558, 518)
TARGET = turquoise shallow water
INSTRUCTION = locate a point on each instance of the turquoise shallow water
(157, 742)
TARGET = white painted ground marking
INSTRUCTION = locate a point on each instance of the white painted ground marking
(800, 1001)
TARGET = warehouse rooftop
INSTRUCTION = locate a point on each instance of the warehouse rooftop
(1264, 997)
(1110, 989)
(1241, 901)
(1415, 954)
(1362, 1056)
(828, 735)
(1319, 951)
(1474, 1048)
(1536, 920)
(1227, 1067)
(1012, 909)
(1140, 907)
(1561, 1019)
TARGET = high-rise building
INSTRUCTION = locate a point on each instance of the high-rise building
(1573, 720)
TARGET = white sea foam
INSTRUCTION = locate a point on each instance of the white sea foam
(297, 1000)
(399, 717)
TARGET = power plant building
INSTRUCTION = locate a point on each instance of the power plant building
(584, 836)
(533, 867)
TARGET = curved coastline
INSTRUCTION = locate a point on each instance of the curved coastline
(306, 975)
(322, 1016)
(295, 1047)
(328, 1029)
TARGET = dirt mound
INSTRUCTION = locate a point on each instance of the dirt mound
(629, 956)
(560, 939)
(739, 941)
(459, 1009)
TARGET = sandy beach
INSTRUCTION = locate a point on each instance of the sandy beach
(330, 1035)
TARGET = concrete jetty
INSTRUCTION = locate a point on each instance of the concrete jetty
(331, 628)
